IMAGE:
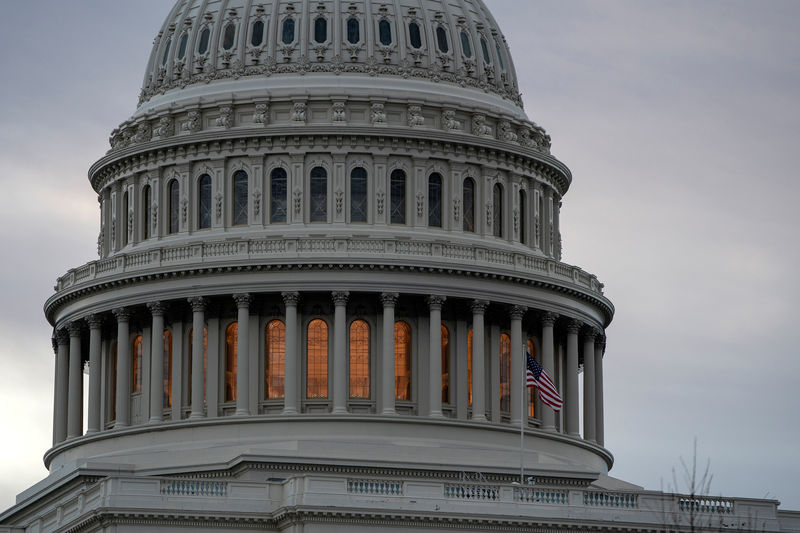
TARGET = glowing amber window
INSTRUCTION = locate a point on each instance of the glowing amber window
(205, 362)
(469, 366)
(136, 364)
(359, 359)
(231, 351)
(274, 360)
(402, 361)
(505, 373)
(445, 365)
(317, 350)
(167, 368)
(531, 390)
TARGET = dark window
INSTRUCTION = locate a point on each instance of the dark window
(288, 31)
(240, 198)
(204, 202)
(385, 32)
(468, 199)
(202, 48)
(353, 31)
(146, 211)
(485, 49)
(319, 195)
(166, 53)
(465, 45)
(125, 219)
(358, 195)
(258, 33)
(397, 211)
(523, 216)
(174, 206)
(182, 46)
(500, 57)
(441, 40)
(227, 38)
(414, 35)
(320, 30)
(497, 207)
(277, 195)
(435, 200)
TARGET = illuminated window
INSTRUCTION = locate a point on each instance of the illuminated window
(497, 207)
(358, 195)
(319, 195)
(205, 362)
(274, 360)
(136, 363)
(146, 212)
(204, 202)
(445, 365)
(468, 199)
(402, 361)
(435, 200)
(317, 350)
(231, 354)
(531, 390)
(167, 368)
(359, 359)
(174, 206)
(523, 216)
(469, 366)
(240, 198)
(202, 46)
(277, 191)
(397, 208)
(505, 373)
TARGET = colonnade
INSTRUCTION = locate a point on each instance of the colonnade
(559, 345)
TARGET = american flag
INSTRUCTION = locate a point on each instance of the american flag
(538, 378)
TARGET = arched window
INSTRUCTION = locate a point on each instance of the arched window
(497, 209)
(485, 49)
(240, 198)
(441, 40)
(136, 364)
(531, 390)
(278, 189)
(317, 359)
(359, 359)
(287, 34)
(125, 208)
(146, 200)
(182, 46)
(385, 32)
(167, 381)
(414, 35)
(445, 365)
(466, 46)
(205, 363)
(397, 207)
(353, 31)
(274, 360)
(435, 200)
(505, 373)
(166, 53)
(402, 361)
(228, 36)
(257, 36)
(202, 46)
(231, 355)
(319, 195)
(468, 200)
(320, 30)
(523, 217)
(469, 367)
(204, 202)
(358, 195)
(174, 206)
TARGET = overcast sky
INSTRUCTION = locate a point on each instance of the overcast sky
(679, 120)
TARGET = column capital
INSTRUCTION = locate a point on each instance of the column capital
(590, 333)
(75, 328)
(290, 297)
(123, 314)
(548, 319)
(517, 312)
(435, 301)
(389, 299)
(157, 308)
(574, 326)
(62, 337)
(94, 321)
(198, 303)
(340, 297)
(243, 300)
(479, 306)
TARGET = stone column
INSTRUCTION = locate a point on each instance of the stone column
(243, 302)
(518, 367)
(75, 387)
(389, 300)
(599, 349)
(157, 310)
(571, 406)
(340, 352)
(61, 387)
(588, 385)
(123, 368)
(548, 364)
(292, 357)
(478, 361)
(198, 305)
(435, 354)
(95, 354)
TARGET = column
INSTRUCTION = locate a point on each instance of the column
(61, 387)
(157, 310)
(123, 367)
(548, 364)
(518, 367)
(197, 378)
(290, 403)
(75, 387)
(340, 352)
(95, 354)
(571, 405)
(243, 302)
(588, 385)
(435, 354)
(599, 349)
(478, 361)
(389, 300)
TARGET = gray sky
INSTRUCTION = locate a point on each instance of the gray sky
(680, 123)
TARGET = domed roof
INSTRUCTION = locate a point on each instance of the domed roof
(209, 42)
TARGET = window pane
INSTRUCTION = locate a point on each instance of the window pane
(523, 218)
(174, 205)
(278, 190)
(204, 202)
(500, 57)
(402, 361)
(385, 32)
(445, 365)
(166, 53)
(182, 47)
(317, 371)
(397, 210)
(414, 35)
(125, 208)
(469, 204)
(505, 373)
(136, 363)
(485, 50)
(202, 48)
(167, 368)
(320, 30)
(353, 31)
(358, 195)
(146, 199)
(469, 367)
(240, 198)
(231, 354)
(113, 414)
(258, 33)
(441, 39)
(435, 200)
(274, 357)
(288, 31)
(465, 45)
(359, 359)
(319, 195)
(227, 39)
(497, 206)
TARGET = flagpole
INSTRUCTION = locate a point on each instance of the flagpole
(524, 416)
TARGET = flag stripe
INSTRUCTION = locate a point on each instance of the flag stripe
(537, 377)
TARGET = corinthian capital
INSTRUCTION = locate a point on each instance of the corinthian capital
(389, 299)
(435, 301)
(243, 300)
(290, 298)
(517, 312)
(548, 319)
(479, 306)
(198, 303)
(94, 321)
(340, 297)
(157, 308)
(75, 328)
(574, 326)
(123, 314)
